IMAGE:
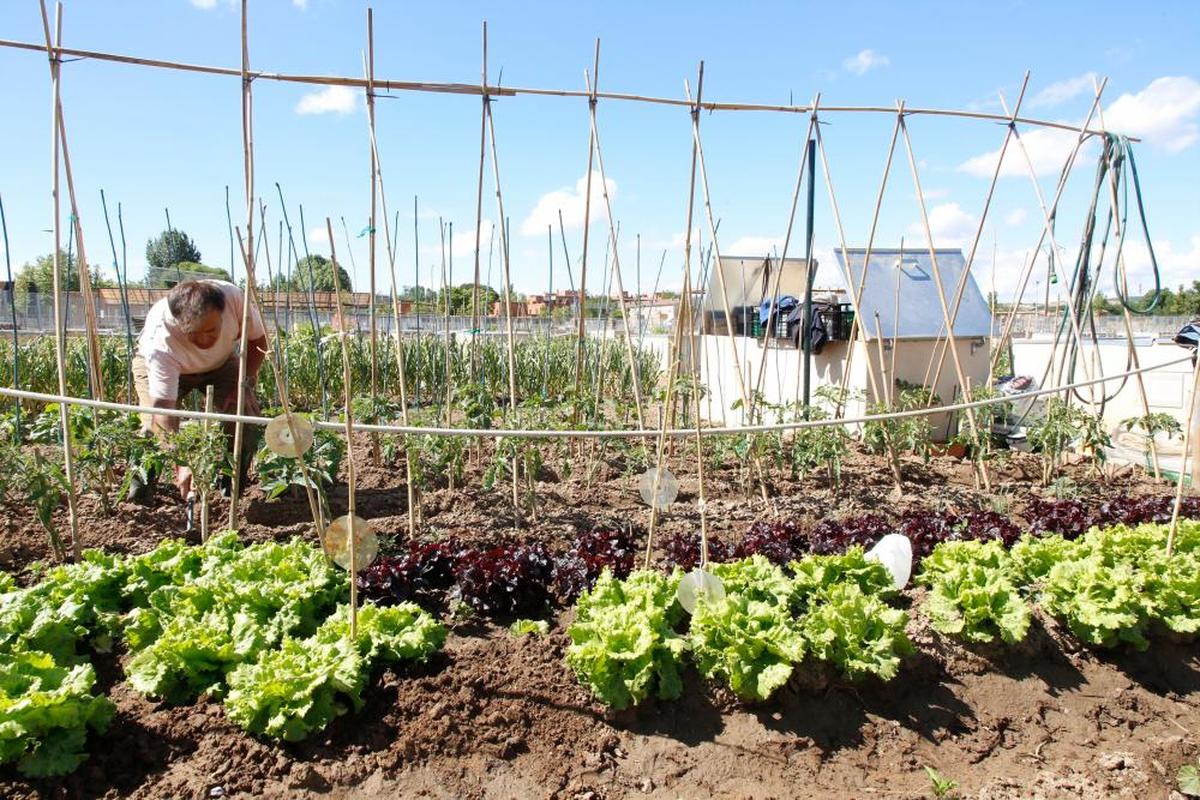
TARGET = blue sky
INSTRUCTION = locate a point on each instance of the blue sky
(155, 139)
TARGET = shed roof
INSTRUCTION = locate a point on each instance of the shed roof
(910, 274)
(750, 280)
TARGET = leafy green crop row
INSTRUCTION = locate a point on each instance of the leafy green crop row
(834, 608)
(1111, 586)
(264, 627)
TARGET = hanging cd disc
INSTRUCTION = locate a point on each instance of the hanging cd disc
(337, 542)
(279, 436)
(699, 586)
(668, 488)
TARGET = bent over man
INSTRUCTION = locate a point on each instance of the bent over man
(189, 342)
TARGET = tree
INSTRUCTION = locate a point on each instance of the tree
(184, 271)
(1182, 302)
(319, 269)
(460, 299)
(165, 254)
(37, 278)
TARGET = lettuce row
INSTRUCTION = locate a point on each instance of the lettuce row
(623, 643)
(1115, 585)
(846, 619)
(202, 617)
(46, 711)
(300, 687)
(46, 701)
(189, 617)
(973, 592)
(748, 638)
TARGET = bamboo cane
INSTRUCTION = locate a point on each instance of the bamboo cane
(12, 307)
(889, 399)
(252, 296)
(800, 173)
(449, 388)
(684, 304)
(350, 474)
(747, 398)
(204, 499)
(1083, 132)
(960, 289)
(595, 135)
(856, 294)
(483, 115)
(980, 466)
(587, 222)
(387, 231)
(392, 85)
(271, 281)
(702, 504)
(371, 321)
(123, 286)
(1188, 434)
(59, 335)
(504, 261)
(96, 377)
(243, 351)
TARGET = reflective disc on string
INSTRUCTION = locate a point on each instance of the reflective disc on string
(699, 585)
(668, 488)
(279, 436)
(337, 542)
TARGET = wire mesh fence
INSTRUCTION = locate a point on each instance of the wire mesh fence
(33, 315)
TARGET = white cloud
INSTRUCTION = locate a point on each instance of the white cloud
(571, 203)
(864, 61)
(1015, 217)
(318, 236)
(949, 224)
(1048, 150)
(335, 99)
(1164, 113)
(676, 245)
(463, 243)
(1058, 93)
(1175, 266)
(753, 246)
(207, 4)
(934, 194)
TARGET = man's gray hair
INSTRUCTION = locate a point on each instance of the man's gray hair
(190, 301)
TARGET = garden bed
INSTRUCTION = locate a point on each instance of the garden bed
(497, 715)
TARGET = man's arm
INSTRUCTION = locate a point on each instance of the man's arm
(254, 359)
(162, 424)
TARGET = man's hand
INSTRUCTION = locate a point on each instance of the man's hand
(250, 406)
(161, 424)
(183, 481)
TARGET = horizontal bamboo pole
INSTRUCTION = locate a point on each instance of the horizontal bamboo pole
(571, 433)
(510, 91)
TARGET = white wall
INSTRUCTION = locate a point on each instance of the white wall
(1167, 389)
(778, 372)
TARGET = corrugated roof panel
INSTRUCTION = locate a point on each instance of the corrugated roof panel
(910, 273)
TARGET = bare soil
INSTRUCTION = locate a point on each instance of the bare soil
(494, 716)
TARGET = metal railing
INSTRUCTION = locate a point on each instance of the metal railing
(1107, 325)
(35, 317)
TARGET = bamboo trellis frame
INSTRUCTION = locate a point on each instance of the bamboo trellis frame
(389, 85)
(373, 85)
